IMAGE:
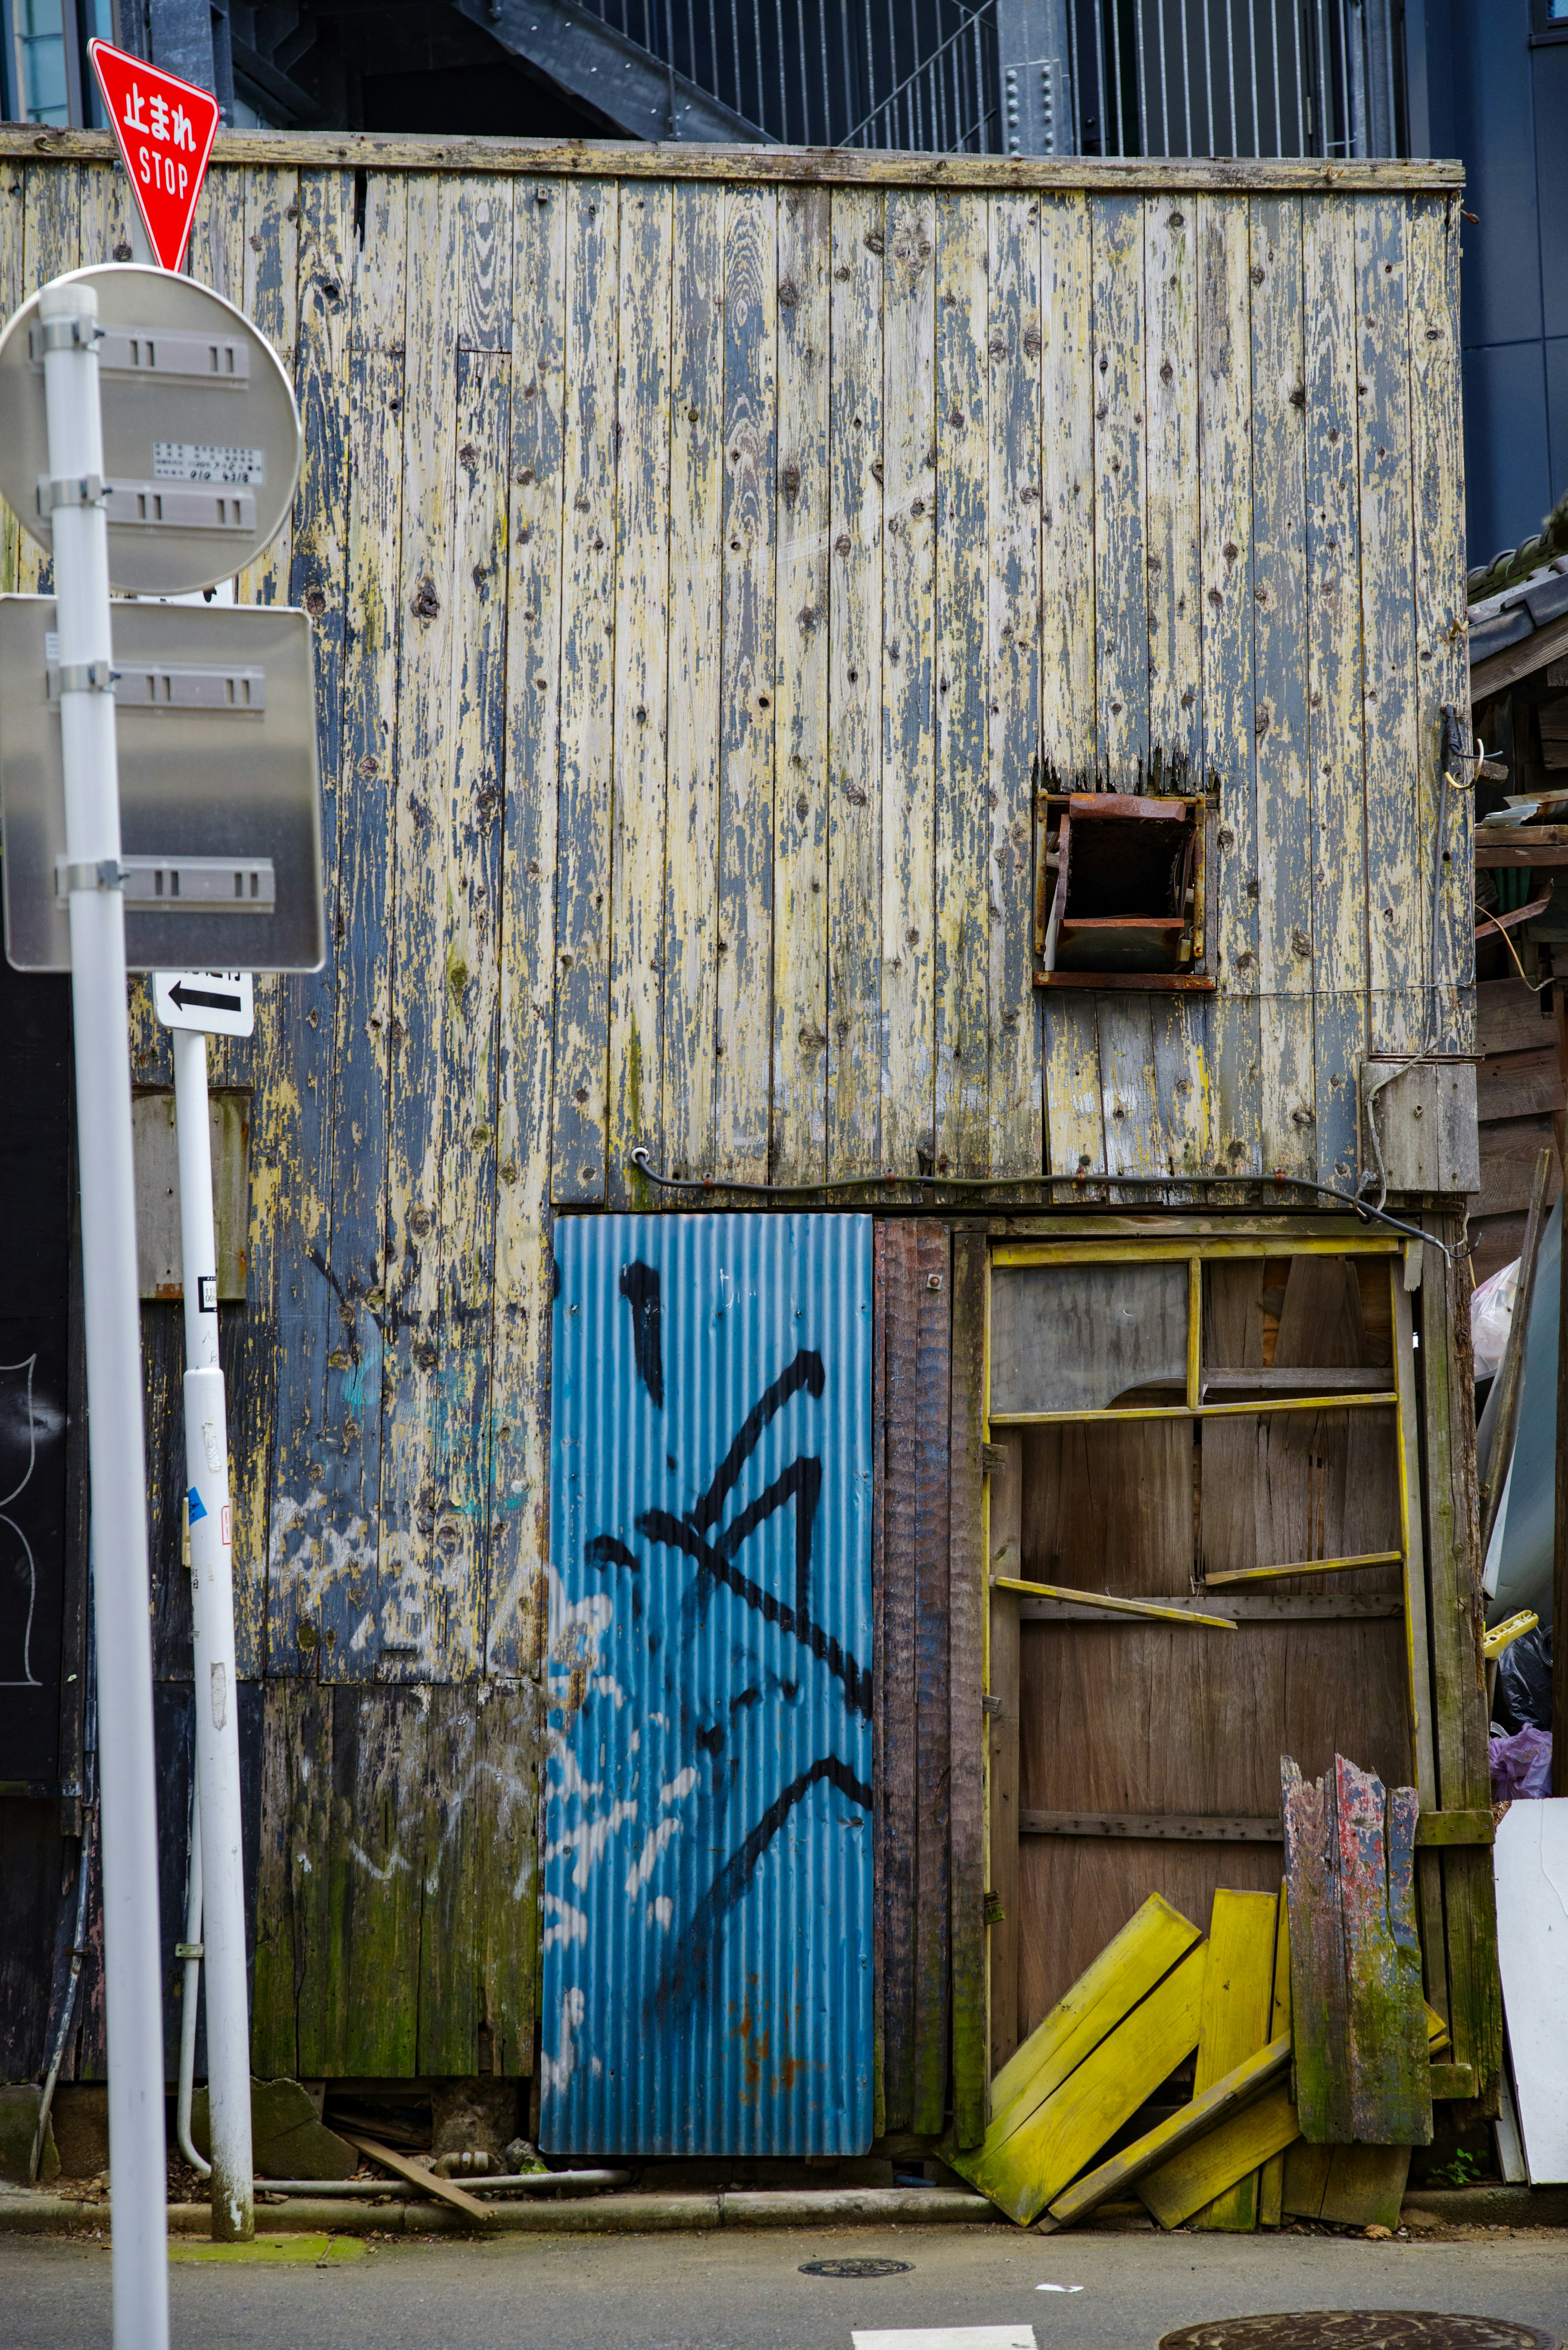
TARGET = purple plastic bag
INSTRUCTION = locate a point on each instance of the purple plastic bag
(1521, 1766)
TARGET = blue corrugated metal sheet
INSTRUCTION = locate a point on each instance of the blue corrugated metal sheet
(707, 1901)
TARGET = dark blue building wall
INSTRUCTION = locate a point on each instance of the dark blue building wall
(1496, 95)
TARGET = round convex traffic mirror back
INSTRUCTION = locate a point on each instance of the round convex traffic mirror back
(202, 442)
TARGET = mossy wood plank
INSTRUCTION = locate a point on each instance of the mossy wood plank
(376, 1867)
(517, 1607)
(1391, 2097)
(895, 1665)
(306, 1608)
(855, 691)
(1442, 660)
(1153, 1941)
(1320, 2020)
(449, 1863)
(1337, 846)
(411, 1627)
(966, 1645)
(588, 675)
(1013, 623)
(1398, 918)
(1347, 2186)
(743, 1050)
(1270, 2178)
(802, 594)
(296, 2012)
(1180, 2130)
(1219, 2173)
(1459, 1708)
(1238, 1997)
(1067, 401)
(698, 464)
(961, 913)
(931, 1986)
(909, 492)
(505, 1800)
(1026, 2171)
(641, 689)
(1172, 532)
(1121, 574)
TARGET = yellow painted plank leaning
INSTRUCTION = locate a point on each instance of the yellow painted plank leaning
(1271, 2178)
(1218, 2170)
(1238, 1994)
(1023, 2174)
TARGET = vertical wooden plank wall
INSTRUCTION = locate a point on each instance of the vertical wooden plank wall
(707, 577)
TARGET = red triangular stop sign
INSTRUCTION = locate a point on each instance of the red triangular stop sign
(165, 129)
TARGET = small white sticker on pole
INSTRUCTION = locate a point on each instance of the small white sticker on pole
(218, 1003)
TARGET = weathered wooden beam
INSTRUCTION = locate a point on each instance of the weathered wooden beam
(416, 2174)
(833, 166)
(1175, 1827)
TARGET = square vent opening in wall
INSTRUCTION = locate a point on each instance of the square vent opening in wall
(1121, 898)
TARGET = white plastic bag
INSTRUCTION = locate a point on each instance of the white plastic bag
(1492, 1315)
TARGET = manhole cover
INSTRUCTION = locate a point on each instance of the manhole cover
(1359, 2329)
(893, 2267)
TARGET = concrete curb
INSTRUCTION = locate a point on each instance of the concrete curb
(1491, 2207)
(586, 2215)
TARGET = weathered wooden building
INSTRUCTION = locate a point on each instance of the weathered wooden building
(730, 573)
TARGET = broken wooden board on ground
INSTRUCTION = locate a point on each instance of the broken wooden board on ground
(1038, 2145)
(1218, 2171)
(1347, 2186)
(439, 2191)
(1238, 1990)
(1361, 2061)
(1151, 1942)
(1212, 2112)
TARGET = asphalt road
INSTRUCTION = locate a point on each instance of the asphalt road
(745, 2291)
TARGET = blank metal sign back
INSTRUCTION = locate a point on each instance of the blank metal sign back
(217, 726)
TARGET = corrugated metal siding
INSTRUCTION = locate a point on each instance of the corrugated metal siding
(708, 1894)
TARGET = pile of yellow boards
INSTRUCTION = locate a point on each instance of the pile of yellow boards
(1233, 2157)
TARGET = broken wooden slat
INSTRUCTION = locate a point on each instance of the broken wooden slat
(1391, 2100)
(1249, 2081)
(1025, 2170)
(416, 2174)
(1219, 2173)
(1114, 1606)
(1238, 1990)
(1302, 1566)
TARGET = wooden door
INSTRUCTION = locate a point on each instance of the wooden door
(1181, 1425)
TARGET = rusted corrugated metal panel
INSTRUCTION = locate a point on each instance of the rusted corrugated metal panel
(708, 1863)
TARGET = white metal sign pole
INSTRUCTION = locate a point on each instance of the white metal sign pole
(69, 314)
(212, 1624)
